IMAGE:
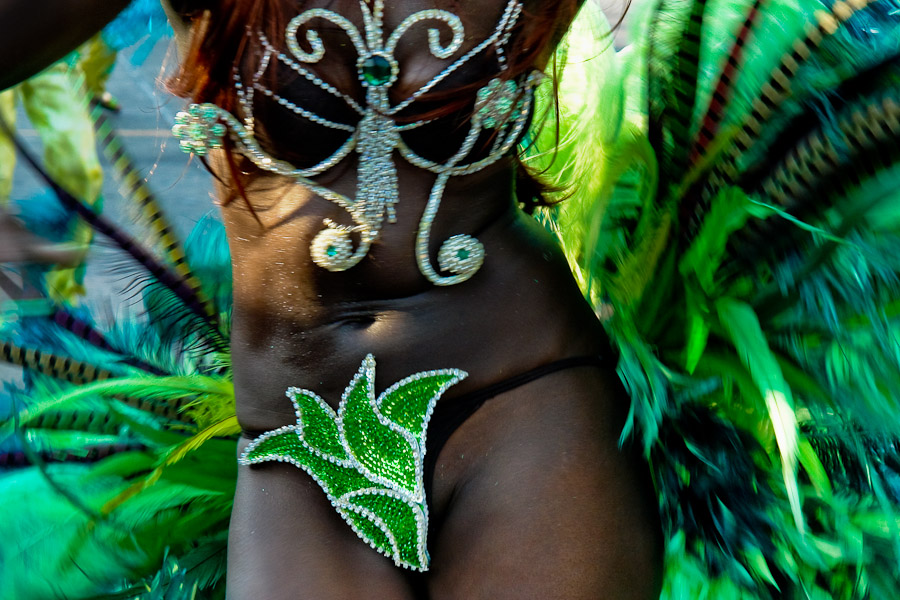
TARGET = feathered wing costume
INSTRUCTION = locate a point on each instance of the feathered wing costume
(128, 434)
(741, 242)
(731, 216)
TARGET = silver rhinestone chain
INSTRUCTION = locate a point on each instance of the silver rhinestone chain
(376, 136)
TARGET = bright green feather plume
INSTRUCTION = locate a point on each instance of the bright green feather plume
(749, 275)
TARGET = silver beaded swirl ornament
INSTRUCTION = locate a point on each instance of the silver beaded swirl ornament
(502, 105)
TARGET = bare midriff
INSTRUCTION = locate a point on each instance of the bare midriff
(296, 324)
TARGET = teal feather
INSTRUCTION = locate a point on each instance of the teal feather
(156, 454)
(207, 251)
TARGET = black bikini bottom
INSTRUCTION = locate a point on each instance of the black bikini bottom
(447, 417)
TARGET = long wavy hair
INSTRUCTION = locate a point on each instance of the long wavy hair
(219, 41)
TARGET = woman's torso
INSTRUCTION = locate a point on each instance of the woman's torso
(296, 324)
(531, 496)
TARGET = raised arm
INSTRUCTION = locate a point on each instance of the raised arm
(36, 33)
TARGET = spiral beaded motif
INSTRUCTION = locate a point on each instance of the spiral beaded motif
(503, 105)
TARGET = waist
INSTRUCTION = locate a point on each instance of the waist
(521, 311)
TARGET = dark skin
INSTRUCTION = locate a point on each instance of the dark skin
(26, 27)
(532, 494)
(535, 498)
(503, 468)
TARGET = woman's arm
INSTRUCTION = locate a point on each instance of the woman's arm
(36, 33)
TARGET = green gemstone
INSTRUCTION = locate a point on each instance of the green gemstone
(196, 131)
(331, 251)
(376, 70)
(462, 254)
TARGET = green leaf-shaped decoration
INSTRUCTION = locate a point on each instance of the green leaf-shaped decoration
(385, 451)
(368, 456)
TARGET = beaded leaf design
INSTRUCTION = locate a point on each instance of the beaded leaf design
(367, 456)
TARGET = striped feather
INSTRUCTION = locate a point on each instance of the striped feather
(826, 164)
(816, 163)
(684, 86)
(777, 89)
(658, 69)
(134, 187)
(80, 373)
(772, 95)
(724, 86)
(92, 419)
(87, 332)
(52, 365)
(170, 279)
(83, 449)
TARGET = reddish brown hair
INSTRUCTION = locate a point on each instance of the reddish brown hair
(219, 40)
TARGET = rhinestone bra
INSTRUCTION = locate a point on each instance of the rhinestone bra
(502, 106)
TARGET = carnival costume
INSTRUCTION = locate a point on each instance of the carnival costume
(730, 213)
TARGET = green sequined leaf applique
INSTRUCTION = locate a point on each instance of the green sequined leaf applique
(286, 445)
(386, 451)
(408, 402)
(397, 520)
(371, 529)
(319, 422)
(368, 456)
